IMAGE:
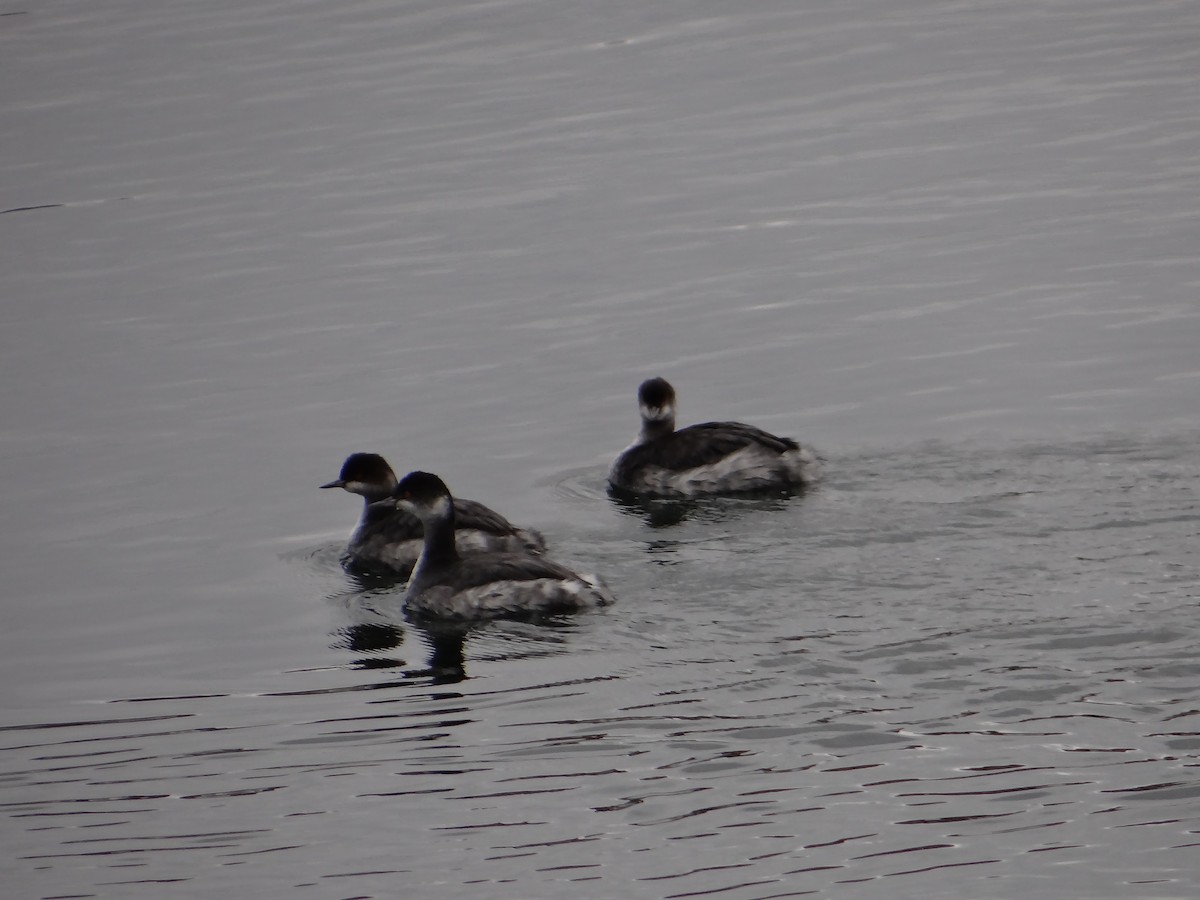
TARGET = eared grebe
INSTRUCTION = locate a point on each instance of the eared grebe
(388, 539)
(712, 458)
(445, 585)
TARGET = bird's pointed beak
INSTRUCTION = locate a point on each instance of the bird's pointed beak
(332, 484)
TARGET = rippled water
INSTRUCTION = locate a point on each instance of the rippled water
(952, 245)
(970, 669)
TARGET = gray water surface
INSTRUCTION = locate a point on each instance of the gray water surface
(952, 245)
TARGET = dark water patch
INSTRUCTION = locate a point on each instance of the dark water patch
(16, 209)
(90, 723)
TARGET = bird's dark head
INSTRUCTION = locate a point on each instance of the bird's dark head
(421, 491)
(656, 401)
(367, 474)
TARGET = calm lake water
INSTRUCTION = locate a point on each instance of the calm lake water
(953, 245)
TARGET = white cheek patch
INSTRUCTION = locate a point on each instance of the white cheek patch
(441, 507)
(658, 413)
(356, 487)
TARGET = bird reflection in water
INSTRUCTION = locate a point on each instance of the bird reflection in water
(446, 660)
(657, 512)
(370, 638)
(665, 512)
(447, 652)
(377, 633)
